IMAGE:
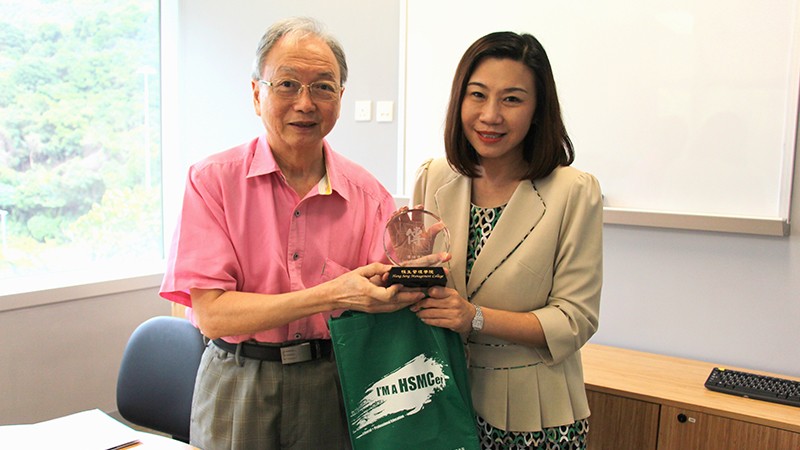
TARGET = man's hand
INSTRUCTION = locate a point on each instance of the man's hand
(362, 290)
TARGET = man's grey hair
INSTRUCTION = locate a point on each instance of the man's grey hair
(297, 27)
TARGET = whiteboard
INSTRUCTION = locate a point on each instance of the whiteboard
(681, 108)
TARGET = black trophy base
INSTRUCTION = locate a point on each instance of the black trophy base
(417, 276)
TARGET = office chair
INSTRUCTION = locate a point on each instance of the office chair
(156, 377)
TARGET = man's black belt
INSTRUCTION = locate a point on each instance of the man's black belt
(288, 353)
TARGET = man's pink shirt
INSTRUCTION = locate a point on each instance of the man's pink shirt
(242, 228)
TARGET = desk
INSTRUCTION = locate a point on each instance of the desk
(637, 398)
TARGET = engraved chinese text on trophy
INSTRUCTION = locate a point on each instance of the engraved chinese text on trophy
(414, 240)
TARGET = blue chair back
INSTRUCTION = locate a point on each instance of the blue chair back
(156, 378)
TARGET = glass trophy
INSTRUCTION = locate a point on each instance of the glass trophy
(414, 240)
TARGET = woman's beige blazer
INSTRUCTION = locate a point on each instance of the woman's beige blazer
(543, 256)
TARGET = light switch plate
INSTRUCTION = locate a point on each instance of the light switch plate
(363, 111)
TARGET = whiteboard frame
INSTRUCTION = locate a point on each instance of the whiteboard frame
(700, 222)
(768, 226)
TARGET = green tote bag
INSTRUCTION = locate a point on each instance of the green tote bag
(404, 383)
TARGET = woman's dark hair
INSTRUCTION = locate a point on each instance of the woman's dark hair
(547, 145)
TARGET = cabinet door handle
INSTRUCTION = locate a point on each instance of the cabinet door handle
(683, 418)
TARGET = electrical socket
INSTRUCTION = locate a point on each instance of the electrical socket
(385, 111)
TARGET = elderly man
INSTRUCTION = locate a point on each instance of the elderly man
(275, 236)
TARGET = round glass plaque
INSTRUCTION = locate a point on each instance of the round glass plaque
(414, 240)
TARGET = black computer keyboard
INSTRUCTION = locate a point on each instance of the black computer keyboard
(761, 387)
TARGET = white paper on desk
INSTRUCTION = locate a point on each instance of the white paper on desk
(15, 436)
(87, 430)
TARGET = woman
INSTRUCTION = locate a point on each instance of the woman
(526, 241)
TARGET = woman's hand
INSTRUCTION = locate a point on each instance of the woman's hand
(445, 308)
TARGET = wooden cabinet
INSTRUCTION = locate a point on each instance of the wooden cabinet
(685, 429)
(620, 423)
(644, 401)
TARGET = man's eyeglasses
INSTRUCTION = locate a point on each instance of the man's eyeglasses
(324, 91)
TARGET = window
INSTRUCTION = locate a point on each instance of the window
(80, 139)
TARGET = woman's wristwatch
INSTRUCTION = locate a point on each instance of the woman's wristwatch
(477, 321)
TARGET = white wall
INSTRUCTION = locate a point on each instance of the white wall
(64, 357)
(726, 298)
(217, 44)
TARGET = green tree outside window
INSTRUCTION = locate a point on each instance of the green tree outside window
(80, 178)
